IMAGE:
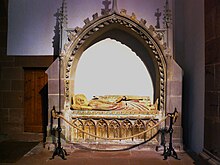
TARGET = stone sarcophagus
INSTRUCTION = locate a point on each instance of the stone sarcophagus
(112, 115)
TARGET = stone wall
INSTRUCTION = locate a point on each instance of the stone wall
(12, 83)
(212, 77)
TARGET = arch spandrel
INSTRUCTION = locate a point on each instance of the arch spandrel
(81, 38)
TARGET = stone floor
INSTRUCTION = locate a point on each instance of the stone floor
(41, 156)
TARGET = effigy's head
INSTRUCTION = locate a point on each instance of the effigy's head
(80, 99)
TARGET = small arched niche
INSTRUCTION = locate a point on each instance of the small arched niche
(109, 67)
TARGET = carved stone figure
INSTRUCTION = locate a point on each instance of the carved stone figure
(114, 103)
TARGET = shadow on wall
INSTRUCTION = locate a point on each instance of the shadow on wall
(56, 38)
(44, 98)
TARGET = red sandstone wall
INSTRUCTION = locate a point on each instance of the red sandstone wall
(12, 83)
(212, 77)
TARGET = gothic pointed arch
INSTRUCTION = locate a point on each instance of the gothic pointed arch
(110, 25)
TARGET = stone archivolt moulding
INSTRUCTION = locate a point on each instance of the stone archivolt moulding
(148, 36)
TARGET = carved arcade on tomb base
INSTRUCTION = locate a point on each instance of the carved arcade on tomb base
(117, 116)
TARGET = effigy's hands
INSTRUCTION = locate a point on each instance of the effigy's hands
(80, 107)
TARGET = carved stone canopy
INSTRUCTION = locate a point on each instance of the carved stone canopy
(105, 26)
